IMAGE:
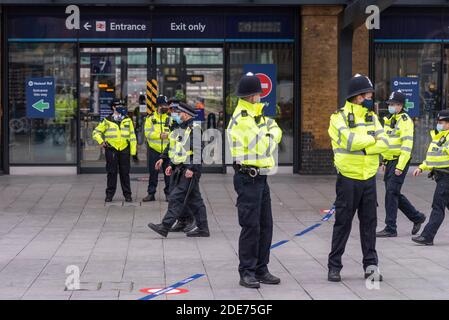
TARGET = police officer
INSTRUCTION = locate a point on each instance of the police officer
(437, 161)
(184, 153)
(116, 134)
(399, 128)
(254, 139)
(358, 139)
(157, 130)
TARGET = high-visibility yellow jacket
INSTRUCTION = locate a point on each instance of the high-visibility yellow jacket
(253, 137)
(357, 149)
(154, 126)
(438, 152)
(399, 129)
(118, 135)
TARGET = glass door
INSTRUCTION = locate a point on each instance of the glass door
(195, 75)
(107, 73)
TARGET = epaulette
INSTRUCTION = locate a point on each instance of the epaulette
(404, 117)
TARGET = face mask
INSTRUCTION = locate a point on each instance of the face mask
(391, 109)
(122, 110)
(257, 99)
(368, 103)
(176, 117)
(164, 110)
(117, 117)
(440, 127)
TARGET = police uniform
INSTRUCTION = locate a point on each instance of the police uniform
(155, 125)
(437, 161)
(121, 143)
(358, 139)
(253, 138)
(399, 129)
(184, 153)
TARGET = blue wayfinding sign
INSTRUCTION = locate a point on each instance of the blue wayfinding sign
(267, 75)
(410, 88)
(40, 97)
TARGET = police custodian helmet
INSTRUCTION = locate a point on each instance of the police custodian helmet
(397, 97)
(117, 103)
(248, 85)
(161, 99)
(443, 115)
(359, 84)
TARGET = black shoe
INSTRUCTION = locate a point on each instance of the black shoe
(333, 276)
(178, 226)
(197, 232)
(189, 227)
(148, 198)
(128, 199)
(108, 199)
(417, 225)
(159, 228)
(386, 234)
(375, 274)
(422, 240)
(268, 278)
(249, 282)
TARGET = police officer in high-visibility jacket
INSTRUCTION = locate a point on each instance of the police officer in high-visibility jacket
(253, 140)
(116, 134)
(358, 139)
(437, 162)
(399, 128)
(184, 156)
(157, 130)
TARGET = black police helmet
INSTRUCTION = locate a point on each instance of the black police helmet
(443, 115)
(161, 100)
(117, 103)
(248, 85)
(396, 97)
(359, 84)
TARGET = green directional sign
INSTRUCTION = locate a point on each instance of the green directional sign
(41, 105)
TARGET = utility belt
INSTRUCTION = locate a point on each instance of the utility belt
(439, 173)
(249, 170)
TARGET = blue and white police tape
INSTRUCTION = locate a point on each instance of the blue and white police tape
(173, 286)
(326, 217)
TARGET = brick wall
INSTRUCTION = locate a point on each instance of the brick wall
(319, 86)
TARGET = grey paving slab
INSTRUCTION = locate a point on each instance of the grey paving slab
(50, 223)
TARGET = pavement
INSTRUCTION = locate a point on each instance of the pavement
(53, 227)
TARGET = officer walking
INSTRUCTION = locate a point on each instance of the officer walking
(116, 134)
(184, 153)
(157, 130)
(253, 139)
(399, 129)
(437, 162)
(358, 139)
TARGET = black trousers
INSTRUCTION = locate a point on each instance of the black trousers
(153, 157)
(354, 195)
(439, 204)
(118, 162)
(182, 188)
(256, 220)
(395, 200)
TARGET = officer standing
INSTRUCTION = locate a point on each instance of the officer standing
(358, 139)
(399, 129)
(184, 154)
(116, 134)
(157, 130)
(437, 161)
(253, 138)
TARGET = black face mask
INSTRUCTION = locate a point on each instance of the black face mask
(164, 110)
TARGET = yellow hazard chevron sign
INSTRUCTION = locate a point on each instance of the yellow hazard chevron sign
(151, 95)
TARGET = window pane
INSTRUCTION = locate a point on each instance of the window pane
(43, 141)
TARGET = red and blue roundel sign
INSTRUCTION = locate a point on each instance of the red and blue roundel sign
(171, 292)
(267, 84)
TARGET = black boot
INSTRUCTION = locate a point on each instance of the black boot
(178, 226)
(268, 278)
(249, 282)
(148, 198)
(386, 234)
(189, 226)
(333, 276)
(159, 228)
(417, 225)
(128, 199)
(197, 232)
(108, 199)
(423, 241)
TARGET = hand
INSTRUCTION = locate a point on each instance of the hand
(158, 164)
(189, 174)
(168, 171)
(417, 172)
(104, 145)
(164, 135)
(397, 172)
(382, 167)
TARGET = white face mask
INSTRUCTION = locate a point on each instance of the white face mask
(257, 99)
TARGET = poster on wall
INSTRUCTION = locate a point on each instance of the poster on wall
(410, 88)
(40, 98)
(267, 74)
